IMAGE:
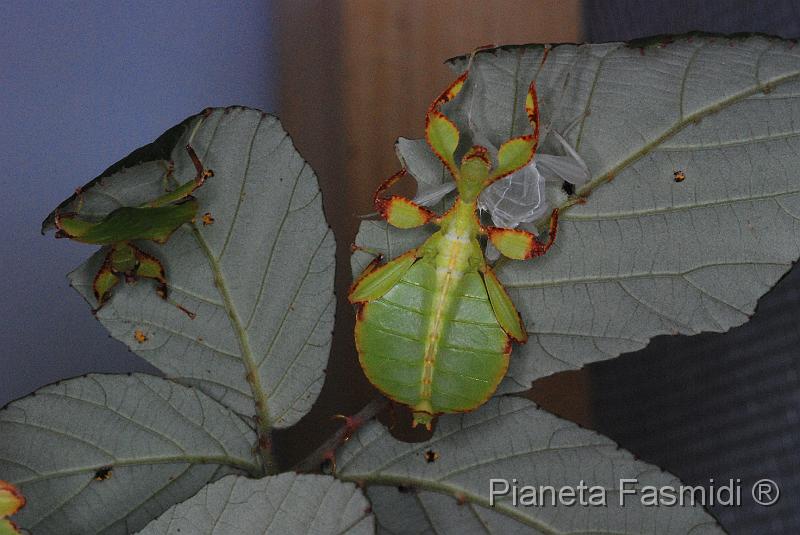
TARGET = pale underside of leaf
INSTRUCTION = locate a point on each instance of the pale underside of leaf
(157, 443)
(259, 279)
(509, 438)
(275, 505)
(647, 255)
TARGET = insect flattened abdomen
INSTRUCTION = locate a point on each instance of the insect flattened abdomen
(415, 289)
(391, 335)
(391, 360)
(390, 318)
(471, 352)
(466, 379)
(471, 305)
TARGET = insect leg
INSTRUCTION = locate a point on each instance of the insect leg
(105, 280)
(517, 152)
(376, 281)
(455, 88)
(368, 250)
(450, 93)
(399, 211)
(150, 267)
(521, 244)
(185, 189)
(503, 307)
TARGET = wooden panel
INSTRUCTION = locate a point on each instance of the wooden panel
(392, 60)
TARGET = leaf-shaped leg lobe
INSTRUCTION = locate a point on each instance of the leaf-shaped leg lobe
(105, 280)
(507, 314)
(442, 136)
(451, 92)
(11, 499)
(404, 213)
(399, 211)
(376, 281)
(150, 267)
(127, 259)
(521, 244)
(517, 152)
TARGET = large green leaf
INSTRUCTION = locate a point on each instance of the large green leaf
(108, 453)
(415, 488)
(287, 503)
(259, 279)
(646, 255)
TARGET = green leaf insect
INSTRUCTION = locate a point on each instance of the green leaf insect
(11, 501)
(154, 220)
(434, 325)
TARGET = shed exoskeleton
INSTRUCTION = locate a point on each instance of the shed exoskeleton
(434, 325)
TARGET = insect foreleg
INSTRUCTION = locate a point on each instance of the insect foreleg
(185, 189)
(399, 211)
(517, 152)
(105, 280)
(450, 93)
(458, 84)
(520, 244)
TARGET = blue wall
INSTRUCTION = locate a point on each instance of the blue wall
(81, 85)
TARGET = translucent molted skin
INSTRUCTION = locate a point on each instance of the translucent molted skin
(520, 197)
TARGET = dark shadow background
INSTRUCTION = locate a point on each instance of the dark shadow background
(721, 406)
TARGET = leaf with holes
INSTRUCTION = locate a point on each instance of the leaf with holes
(646, 254)
(107, 453)
(287, 503)
(253, 277)
(443, 485)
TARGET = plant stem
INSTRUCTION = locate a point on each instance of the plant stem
(315, 459)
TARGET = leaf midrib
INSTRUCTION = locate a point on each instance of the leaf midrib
(263, 423)
(759, 87)
(452, 491)
(224, 460)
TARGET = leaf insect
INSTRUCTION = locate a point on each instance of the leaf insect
(435, 325)
(154, 220)
(11, 501)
